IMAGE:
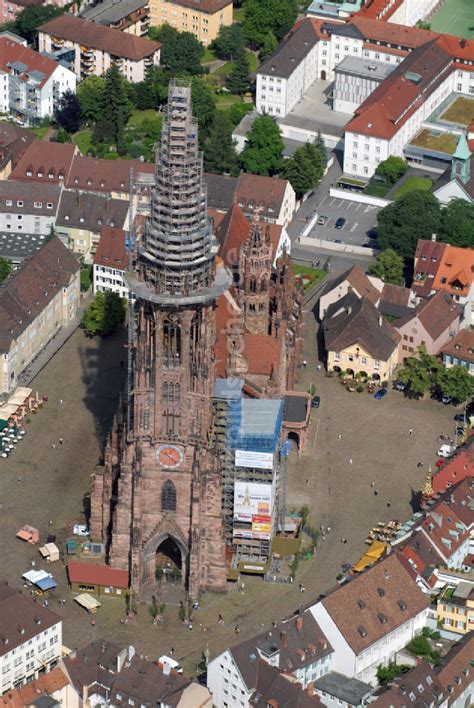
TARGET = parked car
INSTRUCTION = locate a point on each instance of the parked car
(400, 386)
(380, 393)
(315, 402)
(80, 530)
(338, 240)
(446, 451)
(446, 400)
(372, 233)
(322, 220)
(339, 223)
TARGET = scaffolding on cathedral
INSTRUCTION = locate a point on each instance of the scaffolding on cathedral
(247, 436)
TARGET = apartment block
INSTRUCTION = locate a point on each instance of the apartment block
(203, 18)
(97, 47)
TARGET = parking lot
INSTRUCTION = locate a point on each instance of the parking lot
(359, 219)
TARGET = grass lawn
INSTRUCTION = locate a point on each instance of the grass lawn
(208, 56)
(138, 117)
(40, 131)
(83, 140)
(460, 111)
(226, 68)
(86, 277)
(446, 142)
(412, 184)
(377, 189)
(239, 14)
(226, 100)
(310, 275)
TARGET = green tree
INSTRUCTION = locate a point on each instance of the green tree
(388, 673)
(400, 224)
(389, 267)
(263, 152)
(269, 44)
(153, 91)
(264, 16)
(204, 106)
(423, 25)
(391, 169)
(456, 382)
(28, 20)
(419, 372)
(457, 224)
(238, 80)
(219, 149)
(323, 153)
(5, 268)
(62, 136)
(305, 168)
(228, 42)
(68, 112)
(181, 52)
(237, 111)
(116, 108)
(104, 315)
(90, 93)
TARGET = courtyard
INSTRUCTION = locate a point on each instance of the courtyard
(454, 17)
(42, 484)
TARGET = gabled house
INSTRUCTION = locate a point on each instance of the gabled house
(358, 338)
(447, 534)
(296, 646)
(352, 280)
(431, 324)
(460, 351)
(371, 618)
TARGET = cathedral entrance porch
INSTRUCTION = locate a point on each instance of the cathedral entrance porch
(164, 569)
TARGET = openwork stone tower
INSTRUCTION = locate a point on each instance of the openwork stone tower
(157, 500)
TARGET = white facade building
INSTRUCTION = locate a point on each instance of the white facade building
(110, 262)
(371, 618)
(31, 639)
(27, 210)
(30, 84)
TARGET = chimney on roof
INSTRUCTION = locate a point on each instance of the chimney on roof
(284, 639)
(299, 624)
(433, 238)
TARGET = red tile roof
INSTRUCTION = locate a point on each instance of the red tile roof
(234, 230)
(103, 575)
(13, 52)
(44, 158)
(457, 468)
(379, 9)
(259, 191)
(111, 251)
(428, 256)
(461, 347)
(456, 269)
(455, 671)
(90, 34)
(460, 498)
(262, 353)
(47, 684)
(99, 175)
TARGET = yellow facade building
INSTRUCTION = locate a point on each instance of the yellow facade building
(455, 608)
(203, 18)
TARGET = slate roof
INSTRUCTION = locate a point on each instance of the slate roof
(361, 324)
(266, 193)
(299, 641)
(349, 690)
(43, 194)
(358, 281)
(296, 408)
(109, 12)
(436, 314)
(291, 52)
(445, 531)
(460, 497)
(90, 211)
(273, 689)
(220, 190)
(375, 603)
(96, 662)
(27, 292)
(89, 34)
(21, 618)
(421, 558)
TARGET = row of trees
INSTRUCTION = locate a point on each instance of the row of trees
(424, 372)
(418, 215)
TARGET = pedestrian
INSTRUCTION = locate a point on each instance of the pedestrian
(171, 651)
(350, 460)
(305, 363)
(344, 540)
(60, 401)
(328, 529)
(372, 484)
(410, 432)
(220, 619)
(375, 492)
(274, 624)
(19, 480)
(339, 437)
(50, 522)
(53, 446)
(61, 440)
(389, 504)
(237, 629)
(319, 367)
(190, 627)
(420, 464)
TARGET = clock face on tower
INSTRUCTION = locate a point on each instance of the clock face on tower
(170, 456)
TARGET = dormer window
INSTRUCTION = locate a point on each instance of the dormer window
(29, 173)
(38, 205)
(76, 180)
(81, 219)
(66, 218)
(50, 175)
(49, 205)
(381, 592)
(362, 630)
(9, 202)
(122, 184)
(89, 181)
(40, 174)
(382, 618)
(19, 203)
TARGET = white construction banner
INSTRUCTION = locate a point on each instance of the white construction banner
(260, 460)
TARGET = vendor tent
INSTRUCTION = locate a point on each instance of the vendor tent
(32, 576)
(45, 584)
(88, 602)
(375, 551)
(50, 551)
(28, 533)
